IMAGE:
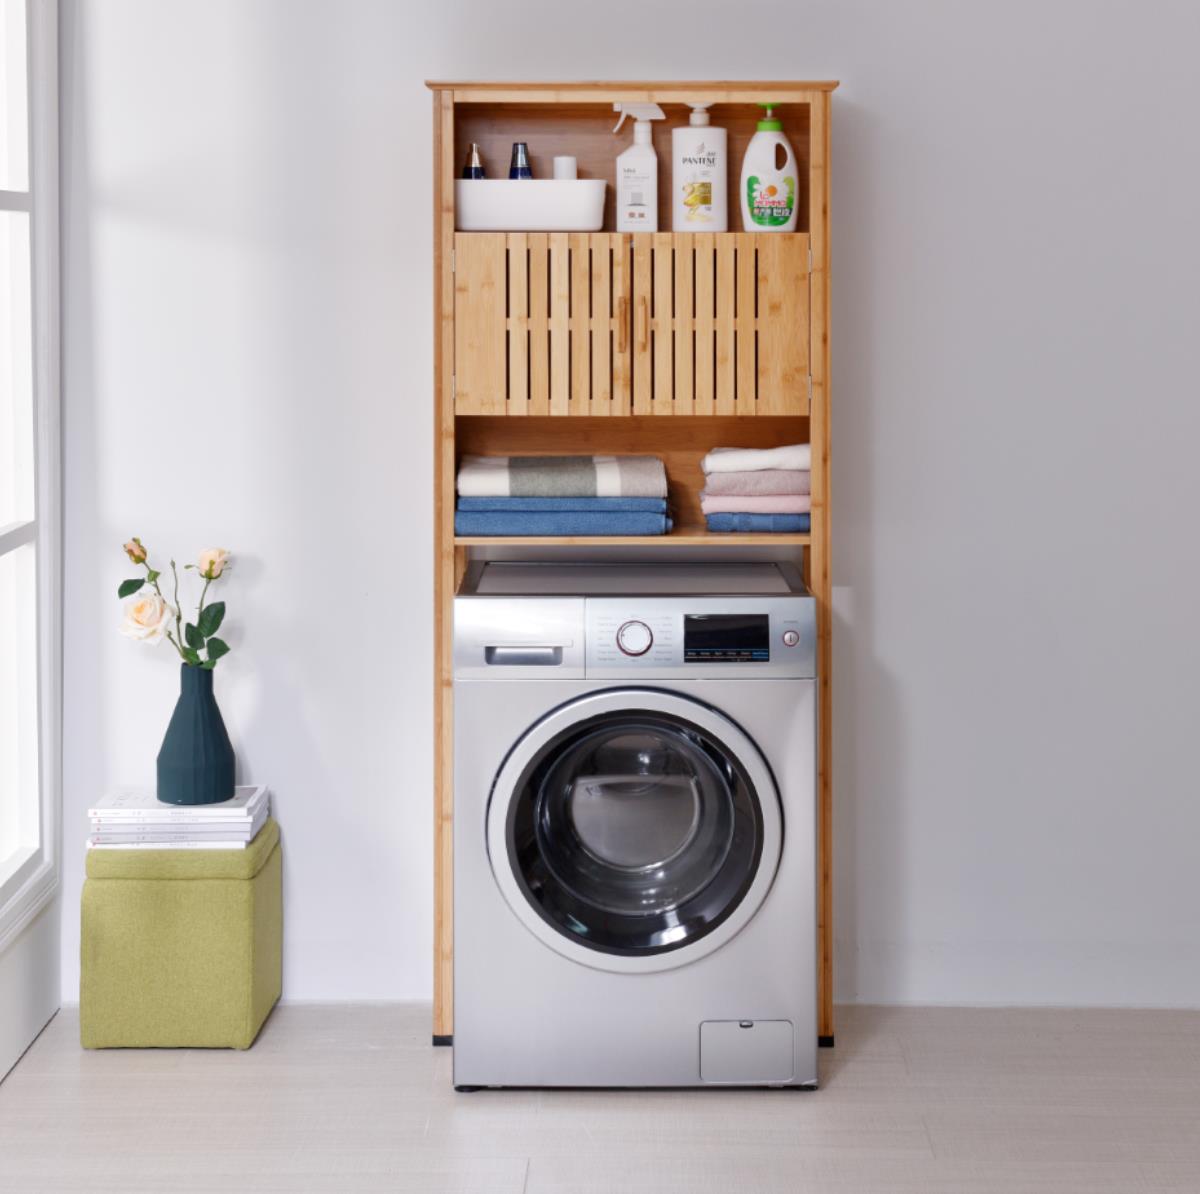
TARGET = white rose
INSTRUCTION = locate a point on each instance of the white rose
(212, 562)
(146, 618)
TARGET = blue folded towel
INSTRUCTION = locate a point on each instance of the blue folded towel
(539, 505)
(559, 522)
(778, 523)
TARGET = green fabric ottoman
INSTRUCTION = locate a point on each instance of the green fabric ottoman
(181, 948)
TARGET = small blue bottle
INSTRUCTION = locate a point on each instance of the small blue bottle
(519, 166)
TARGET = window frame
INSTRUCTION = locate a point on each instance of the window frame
(33, 882)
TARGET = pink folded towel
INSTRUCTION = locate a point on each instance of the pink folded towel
(777, 503)
(771, 480)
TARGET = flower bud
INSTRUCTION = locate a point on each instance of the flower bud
(212, 562)
(135, 551)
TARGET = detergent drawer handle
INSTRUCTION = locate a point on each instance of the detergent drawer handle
(523, 656)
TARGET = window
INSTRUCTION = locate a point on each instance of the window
(29, 461)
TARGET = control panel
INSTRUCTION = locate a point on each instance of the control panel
(643, 638)
(677, 636)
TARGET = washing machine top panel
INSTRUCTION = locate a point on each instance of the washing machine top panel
(661, 580)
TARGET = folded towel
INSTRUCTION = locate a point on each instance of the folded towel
(595, 505)
(752, 460)
(758, 484)
(778, 503)
(562, 476)
(562, 522)
(758, 523)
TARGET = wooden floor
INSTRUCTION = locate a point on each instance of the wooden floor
(352, 1098)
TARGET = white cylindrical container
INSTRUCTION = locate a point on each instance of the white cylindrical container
(565, 168)
(769, 191)
(699, 175)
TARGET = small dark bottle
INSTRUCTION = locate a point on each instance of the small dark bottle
(473, 167)
(519, 166)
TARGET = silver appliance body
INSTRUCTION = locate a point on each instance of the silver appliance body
(634, 827)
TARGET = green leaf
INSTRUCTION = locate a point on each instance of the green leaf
(208, 667)
(212, 617)
(216, 648)
(192, 656)
(193, 636)
(129, 587)
(152, 576)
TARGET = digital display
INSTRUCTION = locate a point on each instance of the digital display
(726, 638)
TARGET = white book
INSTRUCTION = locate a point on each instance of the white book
(180, 828)
(141, 804)
(136, 831)
(206, 844)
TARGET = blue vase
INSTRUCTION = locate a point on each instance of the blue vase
(195, 763)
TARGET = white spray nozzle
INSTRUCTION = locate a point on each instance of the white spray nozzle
(640, 112)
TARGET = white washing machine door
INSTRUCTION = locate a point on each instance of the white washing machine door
(634, 829)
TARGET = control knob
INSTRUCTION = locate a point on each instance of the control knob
(634, 638)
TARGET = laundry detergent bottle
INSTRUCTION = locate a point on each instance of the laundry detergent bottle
(769, 190)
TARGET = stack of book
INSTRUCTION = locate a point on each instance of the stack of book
(138, 820)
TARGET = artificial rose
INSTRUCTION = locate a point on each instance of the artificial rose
(146, 618)
(135, 551)
(212, 562)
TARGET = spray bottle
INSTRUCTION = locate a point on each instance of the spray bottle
(637, 171)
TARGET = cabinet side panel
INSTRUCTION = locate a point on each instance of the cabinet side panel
(444, 563)
(819, 570)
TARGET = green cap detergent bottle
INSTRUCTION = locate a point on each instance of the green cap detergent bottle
(769, 191)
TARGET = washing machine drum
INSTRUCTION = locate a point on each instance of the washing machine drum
(634, 829)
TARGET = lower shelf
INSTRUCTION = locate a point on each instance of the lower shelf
(686, 536)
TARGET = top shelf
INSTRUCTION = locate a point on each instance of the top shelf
(637, 91)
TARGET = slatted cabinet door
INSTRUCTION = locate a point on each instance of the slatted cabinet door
(541, 324)
(579, 324)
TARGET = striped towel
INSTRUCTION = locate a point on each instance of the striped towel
(796, 457)
(562, 476)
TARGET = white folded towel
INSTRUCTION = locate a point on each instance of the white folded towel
(752, 460)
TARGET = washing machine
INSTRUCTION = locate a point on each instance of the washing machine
(634, 826)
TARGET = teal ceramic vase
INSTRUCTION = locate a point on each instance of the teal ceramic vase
(195, 764)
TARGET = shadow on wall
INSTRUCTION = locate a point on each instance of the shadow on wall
(869, 856)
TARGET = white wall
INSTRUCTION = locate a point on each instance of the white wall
(247, 322)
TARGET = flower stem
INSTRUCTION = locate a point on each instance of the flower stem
(178, 614)
(154, 582)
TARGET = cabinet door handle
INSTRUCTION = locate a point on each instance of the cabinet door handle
(643, 324)
(622, 325)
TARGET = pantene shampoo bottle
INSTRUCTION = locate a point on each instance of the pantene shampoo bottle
(769, 191)
(698, 175)
(637, 171)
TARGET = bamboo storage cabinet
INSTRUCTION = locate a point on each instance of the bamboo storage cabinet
(666, 343)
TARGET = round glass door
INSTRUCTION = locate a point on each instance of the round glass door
(634, 829)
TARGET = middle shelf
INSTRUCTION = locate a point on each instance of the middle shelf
(680, 442)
